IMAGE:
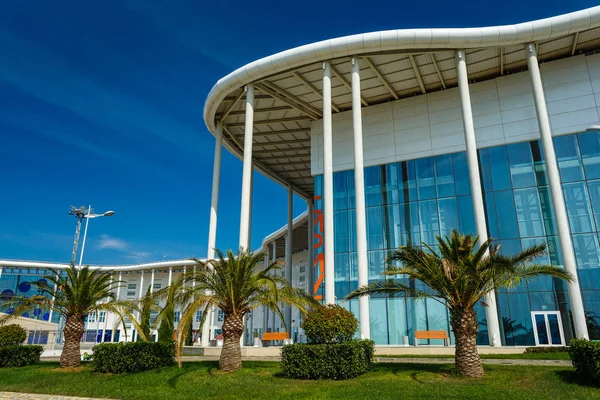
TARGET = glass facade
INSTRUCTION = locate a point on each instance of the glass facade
(410, 202)
(20, 282)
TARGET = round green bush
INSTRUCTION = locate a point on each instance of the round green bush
(330, 324)
(12, 335)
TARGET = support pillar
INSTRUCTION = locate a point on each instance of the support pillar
(247, 170)
(289, 239)
(152, 282)
(361, 217)
(212, 227)
(328, 186)
(558, 200)
(491, 310)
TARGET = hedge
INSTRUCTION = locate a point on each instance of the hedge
(330, 324)
(585, 356)
(12, 335)
(118, 358)
(327, 361)
(19, 356)
(549, 349)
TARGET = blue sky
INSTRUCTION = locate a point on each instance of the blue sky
(101, 103)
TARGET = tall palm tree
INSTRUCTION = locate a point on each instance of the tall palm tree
(459, 275)
(79, 292)
(236, 285)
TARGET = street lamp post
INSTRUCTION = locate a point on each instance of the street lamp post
(88, 216)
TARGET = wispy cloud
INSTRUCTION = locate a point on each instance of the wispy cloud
(107, 242)
(139, 256)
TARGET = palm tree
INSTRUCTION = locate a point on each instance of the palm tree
(459, 275)
(140, 313)
(79, 292)
(236, 286)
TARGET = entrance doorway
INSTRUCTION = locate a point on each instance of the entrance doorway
(547, 328)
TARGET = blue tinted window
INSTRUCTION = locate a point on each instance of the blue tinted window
(491, 218)
(461, 173)
(594, 190)
(589, 145)
(352, 230)
(373, 185)
(393, 227)
(409, 181)
(340, 195)
(342, 234)
(578, 207)
(507, 219)
(425, 179)
(529, 212)
(390, 190)
(447, 215)
(554, 251)
(499, 168)
(567, 154)
(466, 216)
(428, 215)
(376, 264)
(547, 211)
(342, 269)
(586, 253)
(484, 170)
(353, 272)
(351, 188)
(539, 164)
(521, 165)
(409, 213)
(444, 177)
(374, 228)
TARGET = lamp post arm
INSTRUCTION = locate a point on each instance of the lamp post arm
(87, 221)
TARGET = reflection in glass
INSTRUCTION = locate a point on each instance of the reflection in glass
(540, 326)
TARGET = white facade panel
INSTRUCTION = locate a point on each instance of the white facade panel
(503, 110)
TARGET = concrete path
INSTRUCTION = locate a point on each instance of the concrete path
(415, 360)
(27, 396)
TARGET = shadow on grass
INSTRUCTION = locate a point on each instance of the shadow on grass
(570, 376)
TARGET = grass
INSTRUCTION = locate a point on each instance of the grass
(259, 380)
(523, 356)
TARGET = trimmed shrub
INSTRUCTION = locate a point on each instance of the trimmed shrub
(118, 358)
(12, 335)
(337, 361)
(330, 324)
(552, 349)
(19, 356)
(585, 356)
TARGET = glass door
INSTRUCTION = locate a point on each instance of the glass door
(547, 328)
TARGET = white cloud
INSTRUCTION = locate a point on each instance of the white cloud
(139, 256)
(107, 242)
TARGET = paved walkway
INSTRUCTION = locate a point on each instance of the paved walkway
(27, 396)
(415, 360)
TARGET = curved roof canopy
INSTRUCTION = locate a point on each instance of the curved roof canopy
(394, 64)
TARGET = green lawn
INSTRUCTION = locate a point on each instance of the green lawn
(258, 380)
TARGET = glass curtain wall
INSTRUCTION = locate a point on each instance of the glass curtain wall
(411, 202)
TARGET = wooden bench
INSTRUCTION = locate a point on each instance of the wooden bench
(431, 335)
(270, 336)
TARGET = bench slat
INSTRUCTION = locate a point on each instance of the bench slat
(275, 336)
(431, 334)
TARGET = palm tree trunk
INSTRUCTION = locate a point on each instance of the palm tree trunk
(464, 324)
(231, 354)
(74, 328)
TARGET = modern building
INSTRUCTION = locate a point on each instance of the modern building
(397, 136)
(394, 137)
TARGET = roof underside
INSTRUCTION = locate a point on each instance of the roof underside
(287, 102)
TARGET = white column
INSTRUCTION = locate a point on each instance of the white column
(361, 217)
(310, 270)
(491, 311)
(289, 239)
(141, 285)
(214, 202)
(328, 186)
(558, 200)
(250, 207)
(247, 169)
(170, 275)
(152, 282)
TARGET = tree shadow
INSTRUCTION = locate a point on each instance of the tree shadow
(570, 376)
(414, 370)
